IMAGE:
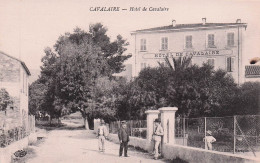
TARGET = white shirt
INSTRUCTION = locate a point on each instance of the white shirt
(102, 131)
(210, 139)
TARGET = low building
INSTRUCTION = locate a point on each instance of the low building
(252, 73)
(219, 44)
(14, 76)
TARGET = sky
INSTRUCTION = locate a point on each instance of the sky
(28, 26)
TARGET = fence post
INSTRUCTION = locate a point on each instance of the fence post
(151, 116)
(184, 135)
(131, 127)
(168, 115)
(205, 131)
(234, 145)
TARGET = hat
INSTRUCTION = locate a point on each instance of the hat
(123, 122)
(209, 132)
(157, 120)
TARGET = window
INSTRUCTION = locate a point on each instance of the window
(143, 44)
(211, 42)
(211, 61)
(230, 39)
(164, 43)
(188, 42)
(143, 65)
(230, 64)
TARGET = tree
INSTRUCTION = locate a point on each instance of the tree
(5, 99)
(199, 91)
(195, 90)
(112, 51)
(71, 73)
(247, 101)
(37, 92)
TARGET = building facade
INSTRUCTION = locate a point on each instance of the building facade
(14, 79)
(219, 44)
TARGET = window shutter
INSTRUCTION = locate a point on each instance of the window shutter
(229, 69)
(166, 43)
(230, 39)
(162, 46)
(232, 64)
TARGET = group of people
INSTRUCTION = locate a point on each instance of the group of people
(123, 135)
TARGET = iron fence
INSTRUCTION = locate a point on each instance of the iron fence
(236, 134)
(137, 128)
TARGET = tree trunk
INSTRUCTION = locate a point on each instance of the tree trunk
(86, 123)
(50, 119)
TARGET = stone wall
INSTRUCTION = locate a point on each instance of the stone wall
(10, 80)
(9, 69)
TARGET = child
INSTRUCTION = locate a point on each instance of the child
(209, 139)
(102, 135)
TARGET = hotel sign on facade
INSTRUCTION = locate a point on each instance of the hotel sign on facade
(204, 53)
(218, 44)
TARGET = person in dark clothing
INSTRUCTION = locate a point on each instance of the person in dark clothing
(123, 136)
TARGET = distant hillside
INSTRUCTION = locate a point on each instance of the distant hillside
(34, 75)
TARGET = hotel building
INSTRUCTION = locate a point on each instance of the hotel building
(219, 44)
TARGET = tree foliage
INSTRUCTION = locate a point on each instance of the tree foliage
(247, 100)
(5, 99)
(72, 73)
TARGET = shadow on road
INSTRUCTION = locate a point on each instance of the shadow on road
(97, 151)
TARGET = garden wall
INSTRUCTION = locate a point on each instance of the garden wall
(134, 141)
(195, 155)
(189, 154)
(7, 152)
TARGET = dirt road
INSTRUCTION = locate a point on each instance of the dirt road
(81, 146)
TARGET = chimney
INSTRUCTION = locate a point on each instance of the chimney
(173, 23)
(203, 21)
(238, 21)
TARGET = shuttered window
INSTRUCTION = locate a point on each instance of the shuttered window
(188, 42)
(164, 43)
(143, 45)
(143, 65)
(211, 41)
(211, 61)
(230, 39)
(230, 64)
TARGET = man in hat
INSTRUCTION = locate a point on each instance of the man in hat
(123, 136)
(157, 137)
(209, 139)
(102, 135)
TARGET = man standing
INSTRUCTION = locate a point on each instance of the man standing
(123, 136)
(157, 137)
(102, 135)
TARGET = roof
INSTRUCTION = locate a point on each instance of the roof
(190, 26)
(22, 63)
(252, 71)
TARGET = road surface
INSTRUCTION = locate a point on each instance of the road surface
(81, 146)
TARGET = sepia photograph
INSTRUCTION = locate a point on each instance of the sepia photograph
(140, 81)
